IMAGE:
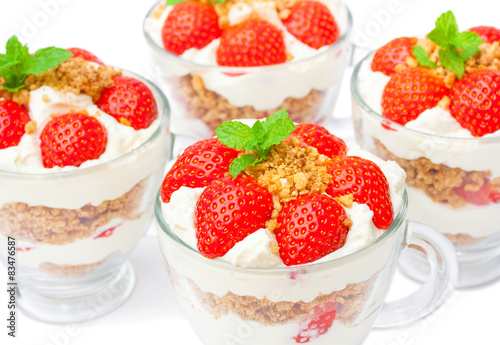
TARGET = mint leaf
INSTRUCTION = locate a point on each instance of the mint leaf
(469, 42)
(422, 57)
(259, 139)
(451, 60)
(277, 132)
(233, 134)
(241, 163)
(17, 63)
(280, 114)
(46, 58)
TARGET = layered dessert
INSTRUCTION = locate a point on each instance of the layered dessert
(240, 59)
(431, 104)
(262, 229)
(81, 144)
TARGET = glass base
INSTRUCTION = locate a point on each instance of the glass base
(473, 271)
(86, 303)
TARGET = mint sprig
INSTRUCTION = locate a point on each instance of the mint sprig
(173, 2)
(17, 63)
(456, 46)
(259, 138)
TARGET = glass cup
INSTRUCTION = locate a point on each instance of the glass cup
(74, 230)
(204, 96)
(232, 305)
(438, 168)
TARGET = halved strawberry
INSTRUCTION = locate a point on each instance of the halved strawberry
(395, 52)
(229, 210)
(409, 93)
(13, 118)
(319, 137)
(312, 23)
(475, 102)
(254, 42)
(489, 34)
(85, 54)
(368, 185)
(198, 166)
(108, 232)
(318, 324)
(71, 139)
(484, 196)
(130, 102)
(191, 24)
(310, 227)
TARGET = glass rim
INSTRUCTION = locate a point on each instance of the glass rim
(398, 222)
(230, 69)
(356, 94)
(164, 111)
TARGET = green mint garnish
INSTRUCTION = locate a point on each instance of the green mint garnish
(173, 2)
(456, 47)
(422, 57)
(17, 63)
(259, 138)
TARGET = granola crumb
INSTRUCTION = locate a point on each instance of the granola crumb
(411, 62)
(348, 222)
(345, 200)
(289, 171)
(444, 103)
(30, 127)
(400, 67)
(46, 98)
(125, 122)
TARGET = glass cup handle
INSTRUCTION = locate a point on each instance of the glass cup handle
(438, 287)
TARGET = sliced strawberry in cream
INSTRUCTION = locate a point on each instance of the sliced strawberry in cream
(107, 232)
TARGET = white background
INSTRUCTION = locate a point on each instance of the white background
(112, 30)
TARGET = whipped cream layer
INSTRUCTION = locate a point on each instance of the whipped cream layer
(24, 179)
(121, 238)
(256, 250)
(263, 88)
(435, 134)
(232, 329)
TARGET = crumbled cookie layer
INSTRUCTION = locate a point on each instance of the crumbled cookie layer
(438, 181)
(69, 271)
(74, 75)
(350, 302)
(40, 224)
(463, 240)
(213, 109)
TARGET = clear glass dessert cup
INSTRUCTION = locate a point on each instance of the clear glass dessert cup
(232, 305)
(436, 166)
(204, 96)
(73, 231)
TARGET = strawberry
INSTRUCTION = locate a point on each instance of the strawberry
(85, 54)
(107, 232)
(319, 137)
(130, 102)
(198, 166)
(254, 42)
(191, 24)
(409, 93)
(312, 23)
(318, 324)
(368, 185)
(484, 196)
(310, 227)
(395, 52)
(475, 102)
(13, 118)
(488, 34)
(71, 139)
(229, 210)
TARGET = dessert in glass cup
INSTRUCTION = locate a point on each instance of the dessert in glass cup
(82, 147)
(431, 105)
(242, 59)
(283, 234)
